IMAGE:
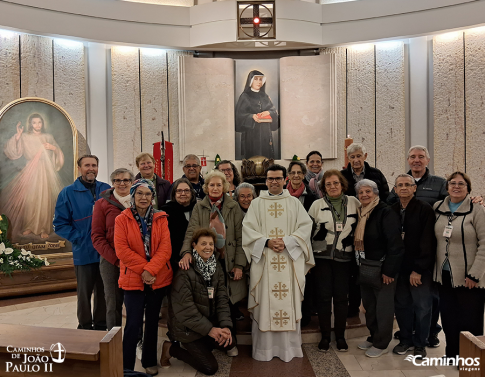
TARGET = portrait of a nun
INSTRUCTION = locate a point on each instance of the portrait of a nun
(252, 111)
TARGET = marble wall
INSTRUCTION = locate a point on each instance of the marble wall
(54, 69)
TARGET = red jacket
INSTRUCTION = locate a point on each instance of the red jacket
(105, 212)
(131, 252)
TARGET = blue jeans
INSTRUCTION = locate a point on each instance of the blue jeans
(413, 309)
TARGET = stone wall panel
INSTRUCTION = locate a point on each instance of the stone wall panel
(9, 68)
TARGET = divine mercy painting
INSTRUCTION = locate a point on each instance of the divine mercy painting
(39, 146)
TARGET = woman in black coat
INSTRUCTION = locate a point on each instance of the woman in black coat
(179, 210)
(199, 314)
(256, 117)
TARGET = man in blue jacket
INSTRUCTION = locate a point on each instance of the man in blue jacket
(72, 220)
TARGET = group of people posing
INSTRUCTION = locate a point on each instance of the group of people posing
(315, 241)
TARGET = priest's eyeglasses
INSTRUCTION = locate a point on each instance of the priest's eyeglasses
(120, 181)
(277, 179)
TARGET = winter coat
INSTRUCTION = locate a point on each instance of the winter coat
(131, 251)
(371, 173)
(419, 237)
(466, 250)
(429, 189)
(72, 220)
(382, 237)
(191, 313)
(105, 212)
(307, 198)
(324, 243)
(162, 188)
(234, 255)
(177, 224)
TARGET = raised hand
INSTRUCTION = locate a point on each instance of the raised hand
(20, 129)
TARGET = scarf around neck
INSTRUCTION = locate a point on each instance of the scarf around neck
(298, 192)
(309, 175)
(363, 213)
(125, 201)
(217, 224)
(206, 269)
(145, 226)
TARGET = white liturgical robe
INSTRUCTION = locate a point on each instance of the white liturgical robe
(277, 280)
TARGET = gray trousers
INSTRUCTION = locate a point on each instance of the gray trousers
(88, 282)
(112, 293)
(379, 312)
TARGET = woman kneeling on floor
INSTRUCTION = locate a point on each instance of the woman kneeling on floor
(199, 314)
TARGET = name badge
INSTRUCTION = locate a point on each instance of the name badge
(447, 231)
(340, 227)
(210, 291)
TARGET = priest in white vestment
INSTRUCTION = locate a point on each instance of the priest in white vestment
(276, 240)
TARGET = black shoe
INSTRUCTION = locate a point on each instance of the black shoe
(402, 348)
(433, 341)
(397, 334)
(420, 352)
(324, 345)
(342, 345)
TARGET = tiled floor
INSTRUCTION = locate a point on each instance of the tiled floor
(60, 311)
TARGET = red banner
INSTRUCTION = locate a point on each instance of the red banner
(157, 154)
(169, 161)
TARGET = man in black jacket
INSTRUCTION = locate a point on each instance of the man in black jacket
(413, 299)
(356, 170)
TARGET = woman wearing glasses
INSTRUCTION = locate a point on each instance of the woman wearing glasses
(460, 261)
(107, 208)
(335, 218)
(231, 173)
(142, 242)
(179, 209)
(222, 214)
(297, 187)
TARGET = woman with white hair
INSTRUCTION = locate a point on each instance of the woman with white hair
(244, 194)
(380, 249)
(220, 213)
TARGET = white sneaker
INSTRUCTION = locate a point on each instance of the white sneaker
(233, 352)
(375, 352)
(365, 345)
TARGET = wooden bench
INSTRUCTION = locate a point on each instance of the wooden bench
(472, 346)
(88, 353)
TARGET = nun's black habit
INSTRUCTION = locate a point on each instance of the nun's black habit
(256, 139)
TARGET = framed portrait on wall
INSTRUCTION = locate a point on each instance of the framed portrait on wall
(38, 142)
(257, 119)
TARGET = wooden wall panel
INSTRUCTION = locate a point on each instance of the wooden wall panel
(36, 66)
(475, 108)
(361, 97)
(70, 85)
(9, 68)
(390, 110)
(449, 109)
(154, 97)
(340, 107)
(126, 106)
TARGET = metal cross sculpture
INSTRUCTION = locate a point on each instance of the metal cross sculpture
(262, 26)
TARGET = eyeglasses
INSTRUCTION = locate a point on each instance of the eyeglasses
(226, 170)
(277, 179)
(120, 181)
(142, 195)
(459, 184)
(330, 184)
(194, 166)
(295, 173)
(405, 185)
(180, 191)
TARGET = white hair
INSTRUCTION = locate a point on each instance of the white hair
(419, 148)
(245, 185)
(367, 183)
(405, 176)
(191, 157)
(354, 147)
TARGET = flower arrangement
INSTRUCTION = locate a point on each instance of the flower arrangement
(14, 259)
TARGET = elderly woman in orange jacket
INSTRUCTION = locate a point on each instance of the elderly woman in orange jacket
(142, 243)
